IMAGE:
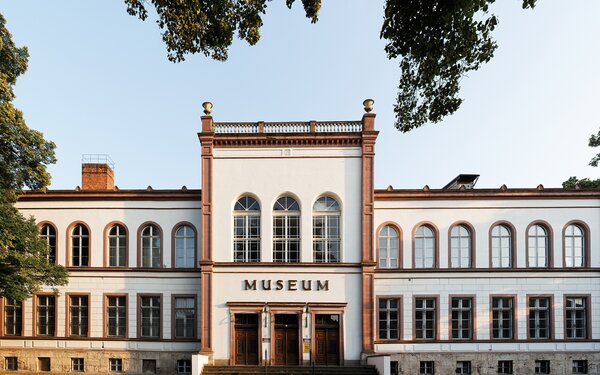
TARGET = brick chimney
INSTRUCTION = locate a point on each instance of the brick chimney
(97, 173)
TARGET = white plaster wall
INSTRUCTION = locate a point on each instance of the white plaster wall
(482, 214)
(344, 287)
(98, 214)
(305, 174)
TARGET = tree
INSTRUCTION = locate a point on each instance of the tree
(438, 42)
(24, 154)
(585, 183)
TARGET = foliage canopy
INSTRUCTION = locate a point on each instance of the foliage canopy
(437, 42)
(24, 154)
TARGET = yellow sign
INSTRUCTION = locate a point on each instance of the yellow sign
(306, 347)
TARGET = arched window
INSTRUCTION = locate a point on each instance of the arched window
(502, 247)
(424, 256)
(538, 246)
(48, 234)
(151, 247)
(388, 247)
(80, 246)
(460, 247)
(575, 246)
(246, 230)
(286, 230)
(326, 230)
(117, 246)
(185, 247)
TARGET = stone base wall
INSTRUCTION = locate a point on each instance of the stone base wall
(95, 361)
(487, 363)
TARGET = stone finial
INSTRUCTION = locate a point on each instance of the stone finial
(426, 188)
(390, 188)
(503, 187)
(368, 104)
(540, 187)
(207, 108)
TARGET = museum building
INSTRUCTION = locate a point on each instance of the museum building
(289, 256)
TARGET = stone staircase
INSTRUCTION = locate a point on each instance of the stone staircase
(289, 370)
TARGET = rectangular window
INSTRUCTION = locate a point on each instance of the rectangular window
(580, 366)
(184, 366)
(505, 367)
(389, 318)
(462, 318)
(149, 366)
(463, 367)
(394, 368)
(44, 364)
(77, 365)
(13, 317)
(116, 312)
(78, 316)
(115, 365)
(425, 318)
(542, 367)
(576, 324)
(326, 238)
(502, 317)
(185, 317)
(246, 238)
(426, 367)
(11, 364)
(539, 317)
(150, 316)
(46, 317)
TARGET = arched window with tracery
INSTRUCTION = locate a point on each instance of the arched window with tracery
(461, 243)
(80, 246)
(151, 239)
(326, 230)
(538, 246)
(185, 247)
(117, 246)
(388, 247)
(502, 246)
(246, 230)
(48, 234)
(286, 230)
(425, 247)
(575, 246)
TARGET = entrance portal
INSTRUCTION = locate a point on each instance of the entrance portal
(246, 339)
(287, 348)
(327, 339)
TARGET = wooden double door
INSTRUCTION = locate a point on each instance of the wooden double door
(246, 339)
(327, 339)
(287, 340)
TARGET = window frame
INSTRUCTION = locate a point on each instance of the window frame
(286, 239)
(436, 247)
(550, 328)
(472, 252)
(184, 366)
(514, 322)
(174, 336)
(107, 230)
(174, 237)
(35, 313)
(76, 362)
(118, 361)
(68, 332)
(326, 239)
(139, 316)
(399, 300)
(140, 245)
(41, 226)
(436, 298)
(541, 366)
(549, 244)
(400, 250)
(70, 229)
(8, 365)
(513, 244)
(3, 305)
(105, 315)
(247, 238)
(586, 243)
(588, 316)
(509, 362)
(473, 330)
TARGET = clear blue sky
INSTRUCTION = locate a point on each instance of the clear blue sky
(99, 82)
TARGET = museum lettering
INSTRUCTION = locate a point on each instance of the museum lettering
(291, 285)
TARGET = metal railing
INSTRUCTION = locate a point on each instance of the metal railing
(97, 159)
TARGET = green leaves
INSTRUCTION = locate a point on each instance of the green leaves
(438, 43)
(24, 153)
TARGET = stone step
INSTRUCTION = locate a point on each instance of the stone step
(289, 370)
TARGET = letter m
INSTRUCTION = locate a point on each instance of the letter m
(249, 285)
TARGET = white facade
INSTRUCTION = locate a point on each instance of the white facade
(257, 310)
